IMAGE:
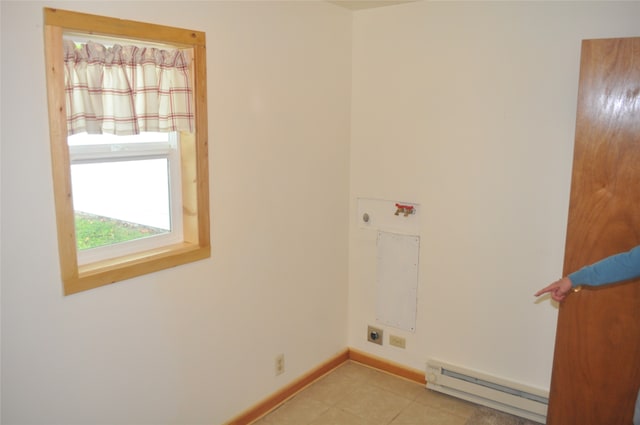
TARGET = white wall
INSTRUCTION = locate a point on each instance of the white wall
(469, 110)
(474, 102)
(197, 343)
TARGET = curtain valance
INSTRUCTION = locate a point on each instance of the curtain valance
(125, 90)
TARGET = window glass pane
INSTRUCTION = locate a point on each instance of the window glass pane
(116, 201)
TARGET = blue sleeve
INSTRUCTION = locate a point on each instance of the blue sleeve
(616, 268)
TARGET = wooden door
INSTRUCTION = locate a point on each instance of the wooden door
(596, 367)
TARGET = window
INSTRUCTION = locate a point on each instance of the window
(131, 197)
(126, 193)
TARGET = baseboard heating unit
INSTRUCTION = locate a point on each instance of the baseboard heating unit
(496, 393)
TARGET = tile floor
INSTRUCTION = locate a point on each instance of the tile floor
(354, 394)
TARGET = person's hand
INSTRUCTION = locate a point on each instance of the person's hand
(558, 289)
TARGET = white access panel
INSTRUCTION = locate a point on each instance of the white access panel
(397, 280)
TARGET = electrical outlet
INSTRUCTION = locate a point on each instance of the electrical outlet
(279, 364)
(374, 335)
(397, 341)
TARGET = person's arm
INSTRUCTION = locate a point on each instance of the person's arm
(616, 268)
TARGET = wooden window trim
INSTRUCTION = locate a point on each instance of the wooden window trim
(194, 151)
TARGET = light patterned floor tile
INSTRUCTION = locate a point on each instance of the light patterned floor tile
(299, 410)
(399, 386)
(331, 388)
(421, 414)
(335, 416)
(374, 404)
(354, 394)
(446, 402)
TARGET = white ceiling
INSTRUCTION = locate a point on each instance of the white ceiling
(367, 4)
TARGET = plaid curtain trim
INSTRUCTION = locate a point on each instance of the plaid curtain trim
(125, 90)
